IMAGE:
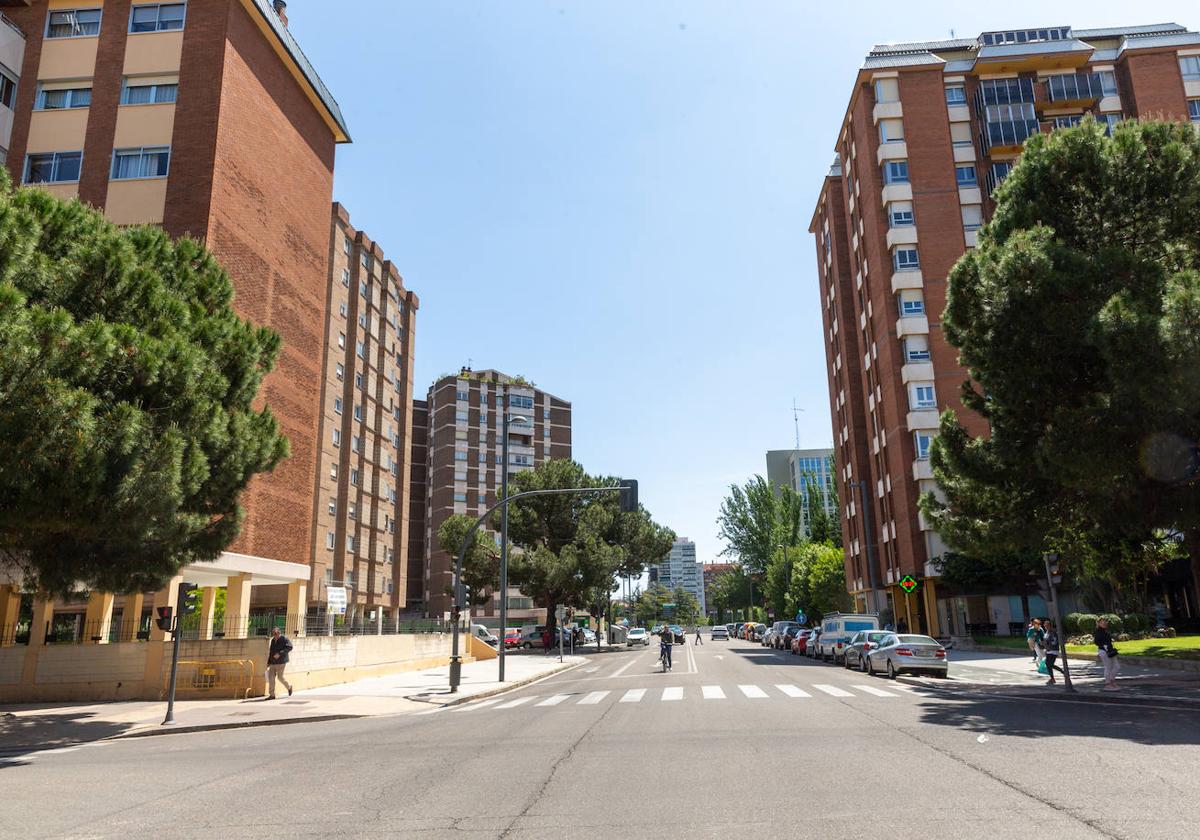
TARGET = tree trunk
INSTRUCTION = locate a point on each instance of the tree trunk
(1191, 539)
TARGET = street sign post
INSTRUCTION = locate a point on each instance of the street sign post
(1053, 578)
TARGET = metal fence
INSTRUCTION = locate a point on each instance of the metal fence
(232, 677)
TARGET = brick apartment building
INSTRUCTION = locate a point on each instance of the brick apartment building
(418, 496)
(930, 129)
(206, 118)
(463, 458)
(361, 518)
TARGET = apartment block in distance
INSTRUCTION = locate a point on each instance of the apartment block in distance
(206, 118)
(680, 569)
(463, 470)
(929, 131)
(362, 480)
(798, 469)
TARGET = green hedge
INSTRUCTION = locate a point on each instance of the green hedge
(1080, 622)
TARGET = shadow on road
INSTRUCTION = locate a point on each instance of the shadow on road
(20, 735)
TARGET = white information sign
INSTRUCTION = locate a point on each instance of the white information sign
(336, 597)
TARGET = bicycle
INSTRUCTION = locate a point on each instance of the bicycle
(664, 657)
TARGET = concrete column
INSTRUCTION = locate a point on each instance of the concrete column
(43, 614)
(10, 609)
(929, 593)
(131, 617)
(208, 606)
(237, 606)
(98, 618)
(379, 620)
(297, 606)
(165, 597)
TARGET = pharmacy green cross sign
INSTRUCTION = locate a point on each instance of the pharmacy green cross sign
(909, 584)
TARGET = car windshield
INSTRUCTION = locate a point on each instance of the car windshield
(918, 640)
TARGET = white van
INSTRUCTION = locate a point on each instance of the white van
(484, 635)
(838, 628)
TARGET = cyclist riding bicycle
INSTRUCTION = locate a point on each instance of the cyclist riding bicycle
(666, 637)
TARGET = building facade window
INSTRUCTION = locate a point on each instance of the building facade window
(339, 371)
(73, 23)
(337, 405)
(358, 381)
(1189, 66)
(329, 540)
(341, 341)
(332, 505)
(1108, 82)
(53, 167)
(1194, 110)
(906, 259)
(891, 131)
(158, 94)
(359, 350)
(354, 477)
(900, 214)
(966, 177)
(8, 88)
(520, 402)
(149, 162)
(956, 95)
(337, 437)
(916, 349)
(460, 497)
(911, 303)
(355, 443)
(972, 216)
(896, 172)
(922, 442)
(922, 396)
(157, 17)
(960, 135)
(63, 98)
(459, 455)
(887, 90)
(358, 413)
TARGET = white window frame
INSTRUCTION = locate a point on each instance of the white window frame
(885, 136)
(916, 355)
(8, 88)
(1193, 61)
(911, 304)
(158, 27)
(337, 437)
(1194, 110)
(329, 540)
(337, 405)
(40, 101)
(887, 171)
(892, 211)
(956, 101)
(923, 396)
(974, 182)
(922, 442)
(143, 153)
(128, 84)
(906, 264)
(55, 163)
(1105, 76)
(99, 22)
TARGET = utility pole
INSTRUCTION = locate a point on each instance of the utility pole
(1053, 578)
(504, 526)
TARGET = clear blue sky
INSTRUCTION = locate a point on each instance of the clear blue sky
(612, 198)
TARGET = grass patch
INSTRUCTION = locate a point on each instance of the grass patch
(1181, 647)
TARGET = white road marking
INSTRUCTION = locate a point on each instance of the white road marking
(753, 692)
(633, 695)
(712, 692)
(673, 693)
(719, 656)
(555, 700)
(623, 668)
(591, 670)
(593, 698)
(833, 691)
(793, 691)
(514, 703)
(878, 692)
(480, 705)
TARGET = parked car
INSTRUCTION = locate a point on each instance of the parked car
(862, 642)
(531, 639)
(732, 629)
(720, 633)
(512, 639)
(677, 634)
(589, 635)
(485, 635)
(813, 645)
(787, 634)
(777, 633)
(768, 638)
(757, 632)
(637, 636)
(897, 654)
(800, 641)
(837, 629)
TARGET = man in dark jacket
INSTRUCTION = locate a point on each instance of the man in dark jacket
(277, 660)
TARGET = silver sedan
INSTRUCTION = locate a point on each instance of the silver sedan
(899, 653)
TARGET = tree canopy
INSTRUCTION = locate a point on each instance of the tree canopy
(127, 388)
(754, 521)
(1078, 319)
(573, 544)
(481, 565)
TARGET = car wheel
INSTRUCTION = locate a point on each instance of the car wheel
(846, 662)
(870, 668)
(862, 664)
(527, 646)
(891, 670)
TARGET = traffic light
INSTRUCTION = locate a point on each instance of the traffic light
(189, 598)
(163, 617)
(629, 496)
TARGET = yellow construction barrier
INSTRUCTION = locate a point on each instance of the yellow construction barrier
(211, 677)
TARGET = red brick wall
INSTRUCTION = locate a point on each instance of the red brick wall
(106, 96)
(31, 21)
(1154, 85)
(272, 184)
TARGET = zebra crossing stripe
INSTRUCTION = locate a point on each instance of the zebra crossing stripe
(554, 701)
(633, 695)
(480, 705)
(833, 691)
(513, 703)
(673, 693)
(793, 691)
(878, 692)
(593, 698)
(753, 692)
(712, 692)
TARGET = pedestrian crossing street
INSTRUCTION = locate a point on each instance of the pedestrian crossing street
(677, 693)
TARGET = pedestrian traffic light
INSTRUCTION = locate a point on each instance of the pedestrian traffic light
(162, 617)
(629, 496)
(189, 598)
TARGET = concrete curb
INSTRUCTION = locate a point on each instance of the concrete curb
(159, 729)
(500, 689)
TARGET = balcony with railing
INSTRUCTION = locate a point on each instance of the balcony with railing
(1077, 89)
(1008, 134)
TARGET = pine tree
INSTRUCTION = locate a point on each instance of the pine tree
(127, 386)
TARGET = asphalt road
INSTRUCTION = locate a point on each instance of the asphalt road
(737, 741)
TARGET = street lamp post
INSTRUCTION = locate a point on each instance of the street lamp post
(520, 421)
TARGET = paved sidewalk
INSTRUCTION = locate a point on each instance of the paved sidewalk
(1015, 672)
(28, 727)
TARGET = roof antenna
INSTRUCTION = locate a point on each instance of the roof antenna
(796, 419)
(951, 33)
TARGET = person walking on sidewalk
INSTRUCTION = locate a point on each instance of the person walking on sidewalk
(698, 641)
(1051, 651)
(277, 660)
(1031, 633)
(1107, 655)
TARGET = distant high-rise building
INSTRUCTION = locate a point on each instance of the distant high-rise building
(929, 131)
(463, 472)
(801, 468)
(680, 569)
